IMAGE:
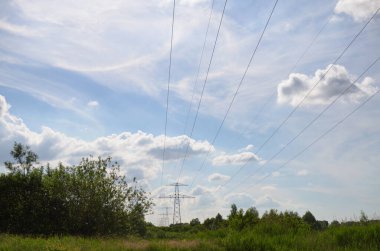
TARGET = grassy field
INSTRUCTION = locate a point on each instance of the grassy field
(11, 242)
(356, 237)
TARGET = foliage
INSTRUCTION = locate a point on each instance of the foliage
(91, 198)
(24, 159)
(195, 222)
(342, 237)
(214, 222)
(75, 243)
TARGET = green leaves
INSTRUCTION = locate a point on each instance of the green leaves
(24, 158)
(91, 198)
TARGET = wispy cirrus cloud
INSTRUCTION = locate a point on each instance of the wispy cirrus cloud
(16, 29)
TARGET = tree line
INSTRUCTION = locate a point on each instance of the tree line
(90, 198)
(271, 222)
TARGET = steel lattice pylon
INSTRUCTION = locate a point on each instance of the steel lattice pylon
(164, 220)
(177, 201)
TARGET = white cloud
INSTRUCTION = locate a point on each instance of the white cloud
(247, 148)
(205, 198)
(93, 103)
(140, 153)
(4, 107)
(242, 200)
(218, 177)
(302, 172)
(293, 90)
(94, 38)
(17, 29)
(267, 202)
(176, 147)
(268, 188)
(201, 190)
(234, 159)
(359, 10)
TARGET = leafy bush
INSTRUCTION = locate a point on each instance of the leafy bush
(91, 198)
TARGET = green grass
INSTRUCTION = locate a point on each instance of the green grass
(12, 242)
(356, 237)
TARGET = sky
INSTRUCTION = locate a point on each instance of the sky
(80, 78)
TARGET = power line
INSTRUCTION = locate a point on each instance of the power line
(199, 66)
(198, 71)
(313, 120)
(303, 99)
(309, 124)
(314, 141)
(164, 219)
(203, 88)
(177, 201)
(167, 95)
(316, 84)
(321, 136)
(261, 108)
(237, 90)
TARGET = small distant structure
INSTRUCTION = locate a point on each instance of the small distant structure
(177, 201)
(164, 219)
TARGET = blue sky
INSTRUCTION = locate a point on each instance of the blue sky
(90, 77)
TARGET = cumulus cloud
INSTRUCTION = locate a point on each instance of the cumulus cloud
(247, 148)
(234, 159)
(359, 10)
(218, 177)
(93, 103)
(292, 90)
(176, 147)
(204, 197)
(201, 190)
(3, 106)
(140, 153)
(242, 200)
(267, 202)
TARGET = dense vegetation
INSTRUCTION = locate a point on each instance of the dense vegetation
(90, 198)
(90, 206)
(275, 231)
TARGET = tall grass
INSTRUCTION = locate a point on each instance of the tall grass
(356, 237)
(260, 237)
(71, 243)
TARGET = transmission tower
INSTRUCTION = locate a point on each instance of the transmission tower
(164, 220)
(177, 201)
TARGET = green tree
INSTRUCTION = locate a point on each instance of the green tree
(24, 159)
(195, 222)
(251, 217)
(102, 201)
(235, 219)
(363, 217)
(209, 223)
(309, 218)
(87, 199)
(233, 211)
